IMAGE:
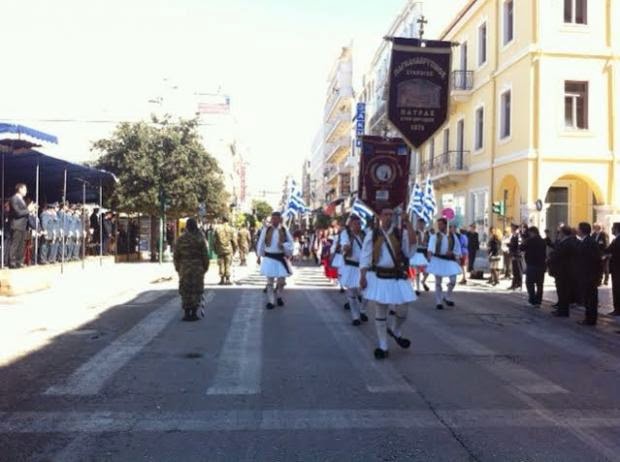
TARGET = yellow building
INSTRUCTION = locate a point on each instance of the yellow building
(534, 114)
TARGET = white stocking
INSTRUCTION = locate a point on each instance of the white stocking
(438, 290)
(271, 297)
(400, 318)
(451, 286)
(354, 303)
(381, 325)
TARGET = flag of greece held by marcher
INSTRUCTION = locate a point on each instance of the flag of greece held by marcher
(429, 205)
(363, 211)
(416, 202)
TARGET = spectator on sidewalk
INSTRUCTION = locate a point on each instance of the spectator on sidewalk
(535, 251)
(562, 263)
(506, 254)
(602, 240)
(473, 246)
(516, 258)
(495, 255)
(613, 252)
(590, 264)
(464, 259)
(18, 215)
(549, 243)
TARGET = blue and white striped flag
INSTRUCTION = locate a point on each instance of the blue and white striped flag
(363, 211)
(416, 202)
(429, 206)
(296, 203)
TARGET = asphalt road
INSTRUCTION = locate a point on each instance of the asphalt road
(487, 380)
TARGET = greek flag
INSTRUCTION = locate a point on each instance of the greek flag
(429, 206)
(296, 203)
(416, 202)
(363, 211)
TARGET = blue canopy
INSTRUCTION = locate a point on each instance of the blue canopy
(23, 130)
(21, 168)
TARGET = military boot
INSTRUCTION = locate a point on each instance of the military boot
(188, 316)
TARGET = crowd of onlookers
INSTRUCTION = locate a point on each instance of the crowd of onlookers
(579, 260)
(55, 232)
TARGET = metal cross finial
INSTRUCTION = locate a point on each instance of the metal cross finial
(422, 21)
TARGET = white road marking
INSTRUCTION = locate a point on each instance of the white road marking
(316, 419)
(379, 377)
(507, 371)
(90, 378)
(239, 366)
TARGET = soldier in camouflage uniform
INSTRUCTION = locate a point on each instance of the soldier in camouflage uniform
(225, 248)
(244, 240)
(191, 261)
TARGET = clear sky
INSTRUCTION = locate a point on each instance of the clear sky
(104, 59)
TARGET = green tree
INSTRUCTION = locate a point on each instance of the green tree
(262, 209)
(163, 160)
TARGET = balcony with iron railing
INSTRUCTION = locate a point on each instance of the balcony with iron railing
(341, 124)
(338, 149)
(337, 97)
(462, 84)
(378, 115)
(448, 167)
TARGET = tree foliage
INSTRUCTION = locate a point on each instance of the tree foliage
(161, 160)
(261, 209)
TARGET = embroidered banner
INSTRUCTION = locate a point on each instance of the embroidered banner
(419, 87)
(384, 172)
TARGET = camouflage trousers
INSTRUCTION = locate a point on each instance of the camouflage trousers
(243, 254)
(191, 287)
(224, 263)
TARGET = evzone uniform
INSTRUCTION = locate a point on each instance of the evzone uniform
(444, 250)
(274, 247)
(419, 261)
(382, 256)
(337, 259)
(350, 275)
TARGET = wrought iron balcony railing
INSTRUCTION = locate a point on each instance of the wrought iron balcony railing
(445, 164)
(462, 80)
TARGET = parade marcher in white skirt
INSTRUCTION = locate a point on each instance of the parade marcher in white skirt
(352, 239)
(418, 261)
(383, 276)
(337, 259)
(444, 250)
(274, 248)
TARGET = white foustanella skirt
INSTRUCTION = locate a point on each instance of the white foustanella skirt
(443, 268)
(418, 260)
(388, 291)
(349, 276)
(272, 268)
(337, 261)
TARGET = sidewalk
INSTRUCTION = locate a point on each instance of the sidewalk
(31, 320)
(549, 294)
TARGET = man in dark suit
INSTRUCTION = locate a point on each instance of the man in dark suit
(590, 264)
(18, 215)
(602, 240)
(535, 250)
(562, 263)
(613, 252)
(514, 249)
(473, 245)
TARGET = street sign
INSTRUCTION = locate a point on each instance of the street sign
(539, 205)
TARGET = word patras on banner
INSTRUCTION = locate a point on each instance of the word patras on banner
(384, 172)
(419, 87)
